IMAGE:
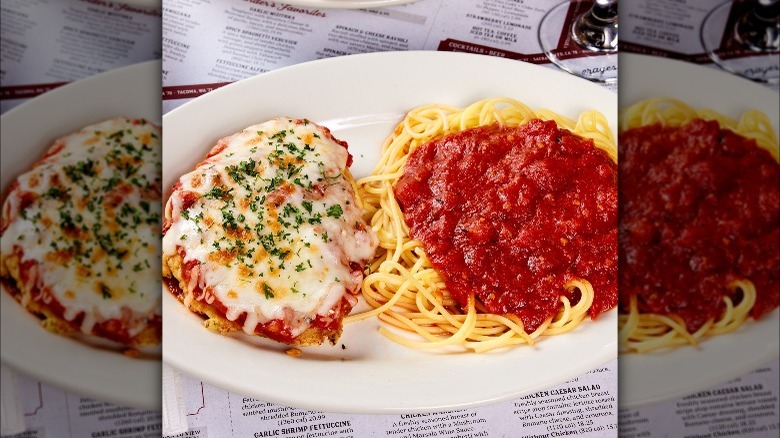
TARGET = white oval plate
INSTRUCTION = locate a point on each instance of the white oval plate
(28, 131)
(659, 376)
(346, 4)
(361, 98)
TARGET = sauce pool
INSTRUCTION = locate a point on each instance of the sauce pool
(700, 207)
(512, 214)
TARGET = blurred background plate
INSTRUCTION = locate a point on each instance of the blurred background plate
(664, 375)
(28, 131)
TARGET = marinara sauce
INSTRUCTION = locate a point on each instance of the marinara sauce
(699, 208)
(511, 214)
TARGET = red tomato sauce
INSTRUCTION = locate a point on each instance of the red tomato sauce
(700, 207)
(511, 214)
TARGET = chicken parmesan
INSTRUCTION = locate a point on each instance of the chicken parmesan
(81, 233)
(266, 235)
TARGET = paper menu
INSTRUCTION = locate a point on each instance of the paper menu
(748, 406)
(52, 412)
(209, 43)
(585, 406)
(751, 402)
(664, 28)
(498, 28)
(47, 43)
(212, 43)
(676, 30)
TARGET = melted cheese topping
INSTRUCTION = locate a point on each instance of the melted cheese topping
(273, 223)
(88, 215)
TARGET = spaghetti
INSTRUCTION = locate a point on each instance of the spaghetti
(731, 290)
(404, 288)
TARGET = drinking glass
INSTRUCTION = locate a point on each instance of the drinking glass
(747, 44)
(588, 48)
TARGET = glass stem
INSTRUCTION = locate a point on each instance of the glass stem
(597, 29)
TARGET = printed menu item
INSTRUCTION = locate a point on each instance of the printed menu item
(208, 44)
(699, 31)
(664, 28)
(746, 407)
(48, 43)
(212, 43)
(585, 406)
(50, 411)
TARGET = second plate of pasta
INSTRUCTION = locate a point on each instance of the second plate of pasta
(658, 89)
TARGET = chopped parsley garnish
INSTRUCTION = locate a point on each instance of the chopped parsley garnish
(238, 172)
(228, 220)
(97, 212)
(270, 200)
(66, 220)
(217, 193)
(56, 193)
(81, 169)
(106, 291)
(269, 293)
(335, 211)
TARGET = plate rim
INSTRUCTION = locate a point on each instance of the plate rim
(192, 106)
